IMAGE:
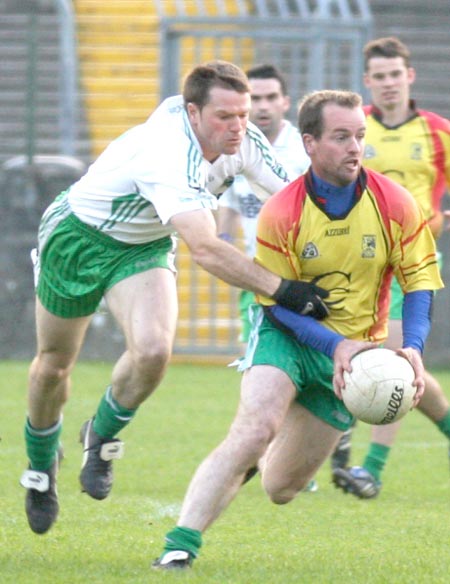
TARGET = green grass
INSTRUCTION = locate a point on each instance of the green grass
(324, 537)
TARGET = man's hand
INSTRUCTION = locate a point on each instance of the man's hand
(345, 350)
(302, 297)
(415, 358)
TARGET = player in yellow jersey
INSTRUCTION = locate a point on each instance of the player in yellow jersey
(349, 230)
(412, 147)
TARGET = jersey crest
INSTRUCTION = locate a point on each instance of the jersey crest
(369, 246)
(310, 251)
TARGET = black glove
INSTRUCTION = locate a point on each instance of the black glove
(302, 297)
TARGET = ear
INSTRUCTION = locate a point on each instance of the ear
(411, 75)
(192, 111)
(308, 142)
(366, 80)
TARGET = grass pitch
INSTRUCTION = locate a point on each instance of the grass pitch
(325, 537)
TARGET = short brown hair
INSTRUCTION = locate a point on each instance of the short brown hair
(388, 47)
(267, 71)
(203, 78)
(310, 118)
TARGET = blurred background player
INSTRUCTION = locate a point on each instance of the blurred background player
(412, 147)
(239, 206)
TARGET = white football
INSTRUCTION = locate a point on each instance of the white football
(379, 389)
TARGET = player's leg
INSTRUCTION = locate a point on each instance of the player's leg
(58, 343)
(435, 405)
(278, 371)
(266, 394)
(68, 293)
(296, 453)
(145, 307)
(365, 481)
(310, 431)
(340, 458)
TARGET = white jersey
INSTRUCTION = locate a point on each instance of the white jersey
(241, 197)
(157, 170)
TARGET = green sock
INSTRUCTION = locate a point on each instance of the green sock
(42, 445)
(444, 424)
(111, 417)
(376, 459)
(184, 538)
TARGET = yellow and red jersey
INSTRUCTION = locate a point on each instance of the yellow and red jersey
(415, 154)
(354, 256)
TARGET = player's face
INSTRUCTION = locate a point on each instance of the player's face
(336, 156)
(269, 106)
(389, 81)
(220, 126)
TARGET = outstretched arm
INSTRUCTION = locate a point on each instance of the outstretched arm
(198, 230)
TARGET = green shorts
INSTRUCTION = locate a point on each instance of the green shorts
(310, 371)
(246, 299)
(396, 305)
(78, 264)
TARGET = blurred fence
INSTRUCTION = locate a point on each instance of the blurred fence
(45, 144)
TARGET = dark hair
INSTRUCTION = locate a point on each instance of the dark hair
(266, 71)
(389, 47)
(310, 118)
(203, 78)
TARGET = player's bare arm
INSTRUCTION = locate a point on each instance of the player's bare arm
(198, 230)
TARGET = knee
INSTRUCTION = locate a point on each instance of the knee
(49, 381)
(281, 491)
(151, 357)
(249, 441)
(282, 497)
(48, 371)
